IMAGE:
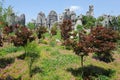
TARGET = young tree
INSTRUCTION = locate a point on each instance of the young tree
(53, 30)
(83, 47)
(31, 26)
(22, 36)
(101, 40)
(88, 21)
(6, 30)
(4, 12)
(40, 31)
(32, 54)
(66, 28)
(1, 13)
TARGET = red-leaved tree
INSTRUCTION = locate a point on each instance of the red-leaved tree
(101, 40)
(22, 36)
(40, 31)
(66, 28)
(83, 47)
(104, 41)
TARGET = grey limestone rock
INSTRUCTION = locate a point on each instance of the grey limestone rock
(41, 19)
(78, 22)
(91, 11)
(52, 18)
(13, 19)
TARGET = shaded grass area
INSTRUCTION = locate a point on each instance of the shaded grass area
(6, 61)
(91, 72)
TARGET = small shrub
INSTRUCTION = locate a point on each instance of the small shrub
(68, 43)
(52, 42)
(40, 31)
(54, 30)
(32, 54)
(7, 29)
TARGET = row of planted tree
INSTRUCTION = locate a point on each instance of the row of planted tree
(98, 40)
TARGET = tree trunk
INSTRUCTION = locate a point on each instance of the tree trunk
(82, 61)
(79, 36)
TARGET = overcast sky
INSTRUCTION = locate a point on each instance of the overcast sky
(32, 7)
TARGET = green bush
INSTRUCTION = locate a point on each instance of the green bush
(52, 43)
(32, 54)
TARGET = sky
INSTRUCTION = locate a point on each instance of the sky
(32, 7)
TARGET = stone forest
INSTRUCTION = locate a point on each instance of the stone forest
(57, 46)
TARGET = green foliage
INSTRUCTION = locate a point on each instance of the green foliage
(54, 30)
(102, 77)
(31, 25)
(3, 13)
(119, 23)
(47, 35)
(52, 42)
(79, 27)
(40, 31)
(99, 20)
(32, 54)
(58, 35)
(88, 21)
(9, 49)
(32, 48)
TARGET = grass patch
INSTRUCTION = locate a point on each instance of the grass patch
(57, 63)
(9, 49)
